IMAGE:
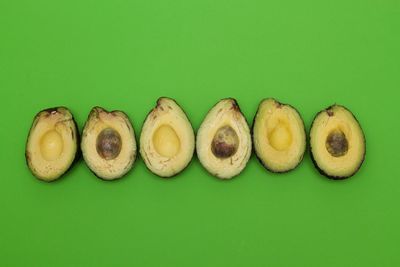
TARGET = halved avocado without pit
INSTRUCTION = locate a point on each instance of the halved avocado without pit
(337, 143)
(167, 139)
(52, 143)
(223, 141)
(279, 136)
(108, 143)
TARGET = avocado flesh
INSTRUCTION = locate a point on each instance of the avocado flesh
(52, 143)
(223, 141)
(167, 139)
(279, 136)
(108, 143)
(337, 143)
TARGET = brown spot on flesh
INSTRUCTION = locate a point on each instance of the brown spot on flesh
(51, 111)
(127, 124)
(329, 112)
(72, 133)
(235, 105)
(95, 113)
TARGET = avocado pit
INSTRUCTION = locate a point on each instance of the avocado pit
(108, 144)
(225, 142)
(336, 143)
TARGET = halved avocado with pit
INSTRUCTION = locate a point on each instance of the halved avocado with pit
(223, 141)
(52, 143)
(108, 143)
(167, 139)
(337, 143)
(279, 136)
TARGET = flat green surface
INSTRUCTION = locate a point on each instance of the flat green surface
(124, 55)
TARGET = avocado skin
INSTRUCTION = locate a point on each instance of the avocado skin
(322, 172)
(194, 152)
(119, 177)
(78, 153)
(268, 168)
(109, 181)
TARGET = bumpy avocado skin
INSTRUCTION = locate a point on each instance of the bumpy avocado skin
(321, 171)
(134, 159)
(268, 168)
(78, 153)
(194, 152)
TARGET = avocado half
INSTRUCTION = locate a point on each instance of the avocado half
(223, 141)
(52, 143)
(279, 137)
(337, 143)
(108, 143)
(167, 139)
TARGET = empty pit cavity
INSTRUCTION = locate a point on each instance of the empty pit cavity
(166, 142)
(51, 145)
(280, 137)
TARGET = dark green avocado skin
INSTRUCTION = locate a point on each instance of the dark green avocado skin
(268, 168)
(106, 180)
(321, 171)
(78, 153)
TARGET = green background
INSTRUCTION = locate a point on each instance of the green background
(124, 55)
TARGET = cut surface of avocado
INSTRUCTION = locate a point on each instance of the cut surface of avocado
(223, 142)
(279, 136)
(52, 143)
(337, 143)
(108, 143)
(167, 139)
